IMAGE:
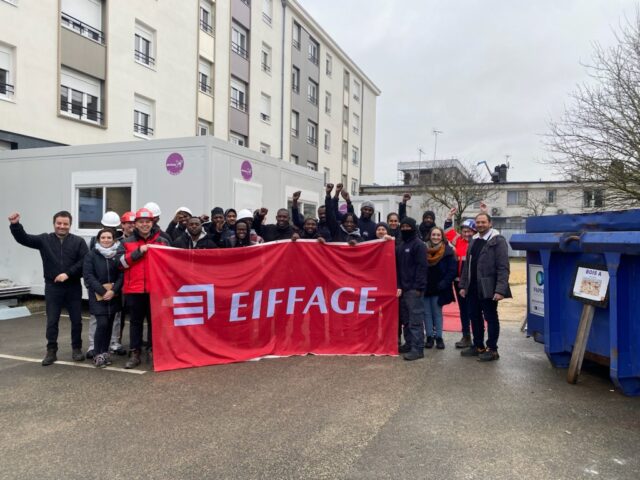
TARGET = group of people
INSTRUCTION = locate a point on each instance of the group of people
(430, 261)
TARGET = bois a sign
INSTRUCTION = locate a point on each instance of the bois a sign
(283, 298)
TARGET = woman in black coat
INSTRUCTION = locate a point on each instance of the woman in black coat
(104, 281)
(442, 270)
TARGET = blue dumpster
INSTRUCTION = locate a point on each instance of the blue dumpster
(555, 245)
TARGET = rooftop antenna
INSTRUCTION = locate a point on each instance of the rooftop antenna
(435, 145)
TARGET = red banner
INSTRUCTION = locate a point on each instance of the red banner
(284, 298)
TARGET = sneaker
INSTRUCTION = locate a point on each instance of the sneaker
(429, 343)
(107, 358)
(100, 361)
(413, 355)
(488, 355)
(90, 353)
(471, 351)
(77, 355)
(439, 343)
(117, 349)
(464, 342)
(49, 358)
(134, 360)
(404, 348)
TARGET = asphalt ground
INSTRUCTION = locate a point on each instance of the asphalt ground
(443, 417)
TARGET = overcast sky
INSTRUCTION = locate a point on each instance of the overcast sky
(488, 73)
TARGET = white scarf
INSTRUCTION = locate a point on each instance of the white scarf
(107, 252)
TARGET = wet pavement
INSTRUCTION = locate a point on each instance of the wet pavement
(443, 417)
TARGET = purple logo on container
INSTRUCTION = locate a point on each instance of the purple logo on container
(343, 208)
(175, 164)
(246, 170)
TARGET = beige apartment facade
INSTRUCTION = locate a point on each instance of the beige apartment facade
(261, 74)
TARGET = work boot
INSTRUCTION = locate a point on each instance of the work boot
(464, 342)
(134, 360)
(429, 343)
(49, 358)
(77, 355)
(439, 343)
(404, 348)
(413, 355)
(488, 355)
(471, 351)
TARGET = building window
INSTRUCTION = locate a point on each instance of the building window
(355, 155)
(80, 96)
(267, 11)
(327, 176)
(265, 108)
(239, 40)
(550, 197)
(327, 103)
(144, 45)
(312, 92)
(593, 198)
(238, 95)
(204, 128)
(143, 116)
(313, 51)
(7, 85)
(83, 17)
(266, 58)
(237, 139)
(346, 81)
(327, 140)
(354, 186)
(356, 91)
(345, 152)
(93, 201)
(329, 65)
(295, 79)
(204, 76)
(517, 197)
(311, 165)
(356, 123)
(295, 123)
(206, 17)
(312, 133)
(345, 116)
(265, 148)
(295, 159)
(297, 33)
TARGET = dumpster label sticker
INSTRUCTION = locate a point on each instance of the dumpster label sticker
(591, 284)
(536, 290)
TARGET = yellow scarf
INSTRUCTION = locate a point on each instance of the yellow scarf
(435, 254)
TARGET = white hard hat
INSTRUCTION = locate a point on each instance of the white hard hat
(155, 209)
(185, 210)
(110, 219)
(245, 213)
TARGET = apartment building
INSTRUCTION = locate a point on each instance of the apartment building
(261, 74)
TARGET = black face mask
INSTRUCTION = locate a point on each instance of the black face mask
(428, 223)
(407, 234)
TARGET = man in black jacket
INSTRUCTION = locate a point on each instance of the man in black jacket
(281, 230)
(62, 258)
(299, 219)
(411, 265)
(195, 237)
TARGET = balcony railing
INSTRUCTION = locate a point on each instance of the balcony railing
(266, 18)
(246, 2)
(313, 100)
(239, 50)
(205, 27)
(143, 129)
(6, 89)
(356, 130)
(295, 88)
(356, 97)
(314, 59)
(81, 112)
(294, 132)
(265, 117)
(266, 68)
(238, 104)
(312, 141)
(82, 28)
(204, 87)
(296, 43)
(144, 58)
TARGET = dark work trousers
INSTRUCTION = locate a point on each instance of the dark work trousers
(465, 321)
(139, 309)
(487, 308)
(69, 296)
(104, 325)
(123, 313)
(412, 317)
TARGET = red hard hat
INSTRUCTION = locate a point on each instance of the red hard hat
(128, 217)
(144, 213)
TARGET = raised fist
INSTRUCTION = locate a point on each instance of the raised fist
(263, 212)
(329, 188)
(296, 196)
(14, 218)
(406, 197)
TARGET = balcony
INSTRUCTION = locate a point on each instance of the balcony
(238, 104)
(295, 88)
(312, 141)
(144, 58)
(314, 59)
(239, 50)
(80, 112)
(205, 27)
(265, 117)
(6, 89)
(143, 129)
(266, 68)
(296, 43)
(82, 28)
(204, 87)
(294, 132)
(266, 18)
(312, 100)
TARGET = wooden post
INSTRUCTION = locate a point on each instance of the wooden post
(581, 343)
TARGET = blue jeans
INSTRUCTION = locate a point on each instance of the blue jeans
(412, 318)
(432, 317)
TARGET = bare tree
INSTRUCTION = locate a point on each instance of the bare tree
(536, 206)
(597, 141)
(458, 190)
